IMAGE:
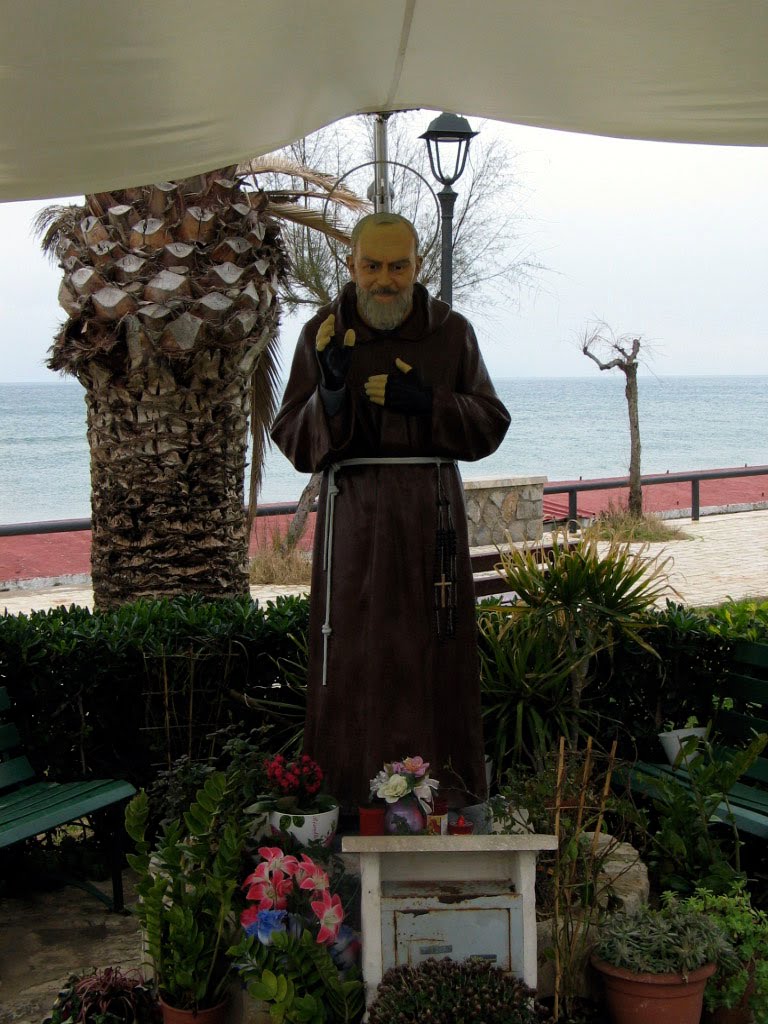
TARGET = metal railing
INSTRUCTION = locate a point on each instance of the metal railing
(695, 477)
(571, 487)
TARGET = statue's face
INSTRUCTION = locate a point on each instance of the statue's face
(384, 266)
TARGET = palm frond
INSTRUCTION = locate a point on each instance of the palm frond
(308, 218)
(275, 164)
(265, 388)
(55, 223)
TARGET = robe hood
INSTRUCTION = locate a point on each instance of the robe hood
(427, 316)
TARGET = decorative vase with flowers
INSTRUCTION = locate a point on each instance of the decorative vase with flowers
(409, 793)
(294, 803)
(296, 954)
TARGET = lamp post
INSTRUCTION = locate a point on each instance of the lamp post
(448, 137)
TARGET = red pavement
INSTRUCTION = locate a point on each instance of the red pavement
(47, 556)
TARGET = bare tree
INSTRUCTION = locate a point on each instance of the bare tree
(622, 353)
(490, 263)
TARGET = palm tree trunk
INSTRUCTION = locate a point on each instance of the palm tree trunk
(171, 295)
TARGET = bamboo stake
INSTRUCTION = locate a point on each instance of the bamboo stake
(556, 880)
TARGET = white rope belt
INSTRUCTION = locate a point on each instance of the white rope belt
(330, 506)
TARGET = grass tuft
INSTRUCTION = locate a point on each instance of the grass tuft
(618, 524)
(272, 564)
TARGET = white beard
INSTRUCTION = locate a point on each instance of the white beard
(386, 316)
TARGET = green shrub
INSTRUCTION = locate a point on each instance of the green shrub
(747, 930)
(125, 693)
(667, 940)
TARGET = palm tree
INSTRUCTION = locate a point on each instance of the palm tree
(171, 296)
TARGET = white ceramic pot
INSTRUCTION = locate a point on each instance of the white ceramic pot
(672, 741)
(306, 828)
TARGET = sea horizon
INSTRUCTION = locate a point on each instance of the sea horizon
(563, 428)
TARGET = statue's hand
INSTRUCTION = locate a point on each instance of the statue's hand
(334, 358)
(402, 391)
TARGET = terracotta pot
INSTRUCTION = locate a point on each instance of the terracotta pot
(404, 815)
(653, 998)
(212, 1015)
(306, 828)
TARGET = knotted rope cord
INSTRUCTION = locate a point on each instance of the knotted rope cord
(330, 507)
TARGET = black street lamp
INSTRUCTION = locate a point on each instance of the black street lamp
(448, 138)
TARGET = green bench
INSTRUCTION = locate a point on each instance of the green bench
(733, 728)
(29, 808)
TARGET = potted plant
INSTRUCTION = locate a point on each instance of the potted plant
(678, 744)
(655, 963)
(448, 991)
(296, 956)
(294, 803)
(107, 995)
(738, 995)
(188, 886)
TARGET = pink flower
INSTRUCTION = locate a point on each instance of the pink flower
(416, 766)
(311, 876)
(330, 914)
(271, 892)
(277, 860)
(261, 874)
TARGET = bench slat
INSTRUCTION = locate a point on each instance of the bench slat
(18, 769)
(748, 653)
(65, 805)
(9, 736)
(738, 725)
(743, 687)
(758, 771)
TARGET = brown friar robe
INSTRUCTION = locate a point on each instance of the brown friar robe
(394, 686)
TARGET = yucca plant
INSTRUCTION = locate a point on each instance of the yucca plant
(588, 597)
(525, 689)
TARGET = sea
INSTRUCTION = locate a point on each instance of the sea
(562, 428)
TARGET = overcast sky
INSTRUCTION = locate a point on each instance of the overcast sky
(666, 241)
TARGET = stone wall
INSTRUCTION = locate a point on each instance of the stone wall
(497, 506)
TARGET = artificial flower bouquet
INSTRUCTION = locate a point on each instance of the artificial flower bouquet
(297, 954)
(404, 778)
(293, 787)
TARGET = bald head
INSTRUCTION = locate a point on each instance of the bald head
(383, 220)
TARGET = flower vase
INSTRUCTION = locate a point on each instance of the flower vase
(404, 817)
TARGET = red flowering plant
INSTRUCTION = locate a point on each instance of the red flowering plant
(294, 787)
(296, 952)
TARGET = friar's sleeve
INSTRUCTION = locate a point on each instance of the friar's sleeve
(469, 420)
(302, 430)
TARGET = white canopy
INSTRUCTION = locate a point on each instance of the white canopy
(99, 94)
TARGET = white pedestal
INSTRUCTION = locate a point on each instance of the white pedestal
(446, 873)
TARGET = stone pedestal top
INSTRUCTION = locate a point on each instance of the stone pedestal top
(448, 844)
